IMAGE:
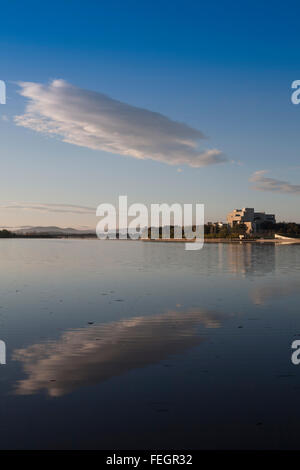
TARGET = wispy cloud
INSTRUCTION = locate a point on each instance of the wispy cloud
(263, 183)
(57, 208)
(96, 121)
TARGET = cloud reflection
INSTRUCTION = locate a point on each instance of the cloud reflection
(261, 294)
(90, 355)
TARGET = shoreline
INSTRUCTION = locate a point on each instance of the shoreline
(226, 240)
(279, 241)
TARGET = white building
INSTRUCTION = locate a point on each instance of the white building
(250, 218)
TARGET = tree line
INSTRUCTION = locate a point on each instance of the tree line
(6, 234)
(290, 229)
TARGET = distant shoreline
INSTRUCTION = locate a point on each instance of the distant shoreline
(168, 240)
(278, 239)
(226, 240)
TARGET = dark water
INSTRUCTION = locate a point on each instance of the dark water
(125, 345)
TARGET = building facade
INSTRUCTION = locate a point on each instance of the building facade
(250, 218)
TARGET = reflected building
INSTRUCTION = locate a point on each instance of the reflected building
(250, 258)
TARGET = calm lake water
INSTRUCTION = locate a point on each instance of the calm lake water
(132, 345)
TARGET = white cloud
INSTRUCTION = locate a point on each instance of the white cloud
(96, 121)
(57, 208)
(263, 183)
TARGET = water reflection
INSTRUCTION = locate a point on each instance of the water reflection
(251, 258)
(87, 356)
(275, 290)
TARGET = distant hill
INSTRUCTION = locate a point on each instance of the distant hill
(53, 230)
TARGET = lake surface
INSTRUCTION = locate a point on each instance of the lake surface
(133, 345)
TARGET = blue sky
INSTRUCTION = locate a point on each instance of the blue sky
(225, 69)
